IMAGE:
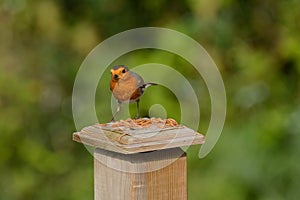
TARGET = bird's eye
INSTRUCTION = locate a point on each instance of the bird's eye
(123, 71)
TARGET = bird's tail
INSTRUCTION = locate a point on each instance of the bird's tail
(145, 85)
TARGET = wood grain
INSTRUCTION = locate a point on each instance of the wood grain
(132, 177)
(140, 140)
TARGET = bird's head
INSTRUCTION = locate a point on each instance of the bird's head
(118, 72)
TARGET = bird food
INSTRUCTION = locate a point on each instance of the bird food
(143, 123)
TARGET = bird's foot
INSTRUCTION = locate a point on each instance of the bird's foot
(137, 117)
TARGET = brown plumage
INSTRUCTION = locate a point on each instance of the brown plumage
(127, 86)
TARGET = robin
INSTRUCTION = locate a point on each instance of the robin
(127, 86)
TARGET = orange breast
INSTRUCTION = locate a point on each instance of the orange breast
(112, 84)
(125, 90)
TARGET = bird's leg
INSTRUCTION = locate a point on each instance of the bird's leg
(118, 110)
(138, 109)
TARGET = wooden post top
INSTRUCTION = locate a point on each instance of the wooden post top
(138, 135)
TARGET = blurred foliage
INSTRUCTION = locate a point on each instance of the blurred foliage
(255, 44)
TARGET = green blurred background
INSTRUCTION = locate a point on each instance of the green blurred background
(256, 45)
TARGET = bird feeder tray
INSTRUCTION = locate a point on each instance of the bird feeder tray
(138, 135)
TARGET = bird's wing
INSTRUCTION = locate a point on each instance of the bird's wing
(138, 78)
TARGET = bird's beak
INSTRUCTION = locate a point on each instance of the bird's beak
(115, 76)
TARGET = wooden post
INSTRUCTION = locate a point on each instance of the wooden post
(169, 182)
(133, 162)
